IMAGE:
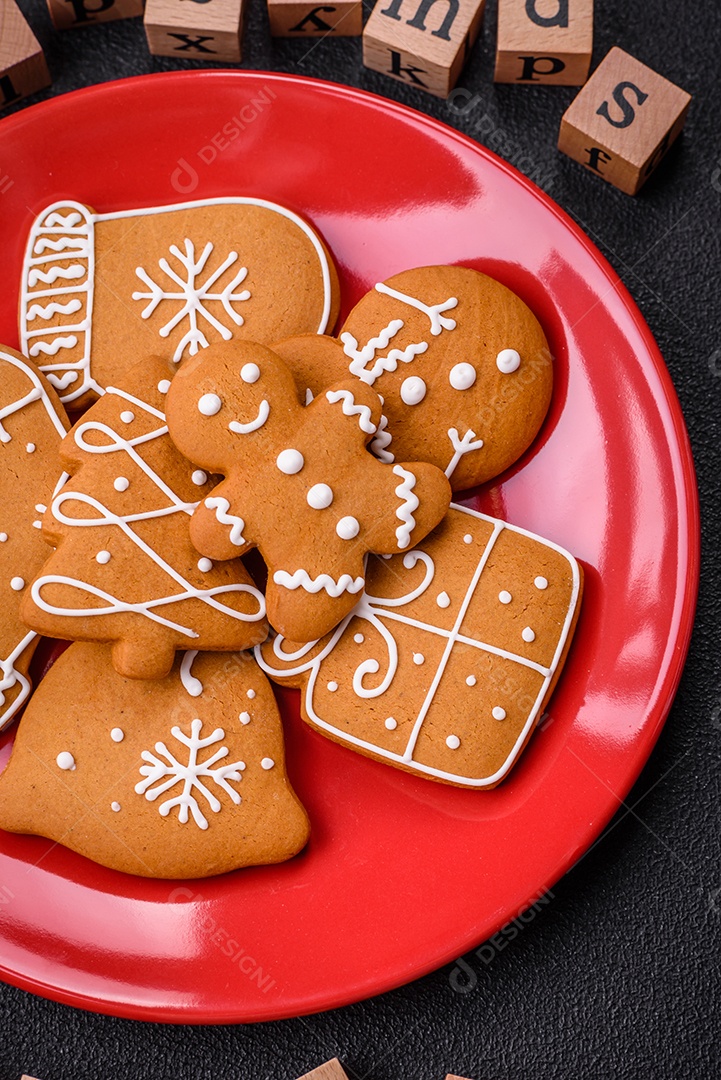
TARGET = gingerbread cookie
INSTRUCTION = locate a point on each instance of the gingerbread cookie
(446, 663)
(300, 485)
(32, 425)
(99, 290)
(125, 570)
(184, 777)
(461, 363)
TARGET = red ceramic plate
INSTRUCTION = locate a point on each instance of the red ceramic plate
(401, 875)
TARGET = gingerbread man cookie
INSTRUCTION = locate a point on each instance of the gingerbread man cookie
(447, 662)
(32, 425)
(462, 365)
(183, 777)
(124, 569)
(99, 290)
(300, 484)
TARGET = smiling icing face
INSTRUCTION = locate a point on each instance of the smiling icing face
(461, 363)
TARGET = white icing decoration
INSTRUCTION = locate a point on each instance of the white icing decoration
(508, 361)
(267, 763)
(290, 462)
(250, 373)
(443, 600)
(308, 396)
(528, 634)
(453, 742)
(199, 477)
(127, 417)
(413, 390)
(381, 440)
(462, 376)
(358, 638)
(541, 583)
(351, 409)
(332, 686)
(301, 579)
(409, 503)
(40, 507)
(504, 596)
(115, 443)
(498, 713)
(250, 694)
(192, 685)
(471, 680)
(30, 448)
(194, 776)
(103, 557)
(11, 677)
(418, 658)
(3, 537)
(468, 539)
(205, 565)
(46, 311)
(17, 584)
(56, 273)
(209, 404)
(391, 723)
(221, 507)
(347, 528)
(121, 483)
(164, 386)
(462, 446)
(115, 806)
(65, 761)
(244, 718)
(117, 734)
(52, 348)
(245, 429)
(320, 496)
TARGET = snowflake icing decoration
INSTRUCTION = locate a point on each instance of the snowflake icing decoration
(170, 772)
(192, 296)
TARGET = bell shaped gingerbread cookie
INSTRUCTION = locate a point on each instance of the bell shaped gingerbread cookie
(300, 484)
(180, 778)
(447, 661)
(32, 425)
(461, 363)
(125, 570)
(101, 289)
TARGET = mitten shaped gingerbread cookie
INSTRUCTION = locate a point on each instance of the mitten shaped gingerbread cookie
(446, 664)
(461, 363)
(300, 484)
(102, 289)
(184, 777)
(32, 425)
(125, 570)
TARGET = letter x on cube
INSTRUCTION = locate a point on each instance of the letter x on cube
(623, 121)
(196, 31)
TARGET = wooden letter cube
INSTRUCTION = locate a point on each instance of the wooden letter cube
(70, 13)
(301, 18)
(424, 43)
(332, 1070)
(623, 121)
(544, 41)
(23, 69)
(200, 31)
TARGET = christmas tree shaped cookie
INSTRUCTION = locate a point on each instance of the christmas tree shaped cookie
(300, 484)
(124, 569)
(100, 289)
(32, 425)
(183, 777)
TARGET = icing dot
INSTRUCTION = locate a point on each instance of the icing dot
(209, 404)
(115, 806)
(30, 448)
(468, 539)
(320, 496)
(40, 507)
(453, 742)
(498, 713)
(462, 376)
(250, 694)
(358, 638)
(347, 528)
(117, 734)
(250, 373)
(244, 718)
(121, 483)
(199, 477)
(471, 680)
(308, 395)
(391, 723)
(65, 760)
(127, 416)
(541, 582)
(103, 557)
(3, 537)
(290, 462)
(267, 763)
(443, 600)
(505, 597)
(527, 634)
(17, 583)
(332, 686)
(418, 658)
(164, 386)
(508, 361)
(37, 524)
(413, 390)
(205, 565)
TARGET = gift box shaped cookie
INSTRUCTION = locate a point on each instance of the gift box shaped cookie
(99, 290)
(444, 666)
